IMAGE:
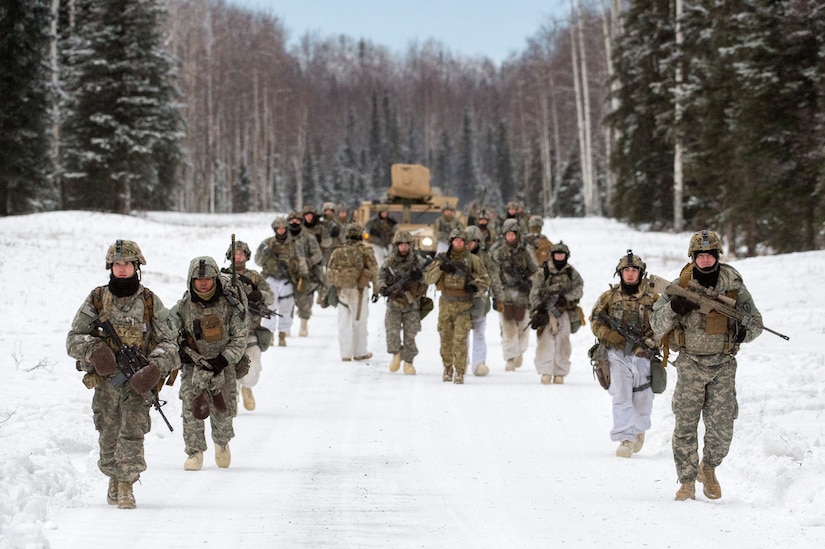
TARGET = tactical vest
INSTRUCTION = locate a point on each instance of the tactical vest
(102, 301)
(633, 313)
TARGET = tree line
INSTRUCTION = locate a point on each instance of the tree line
(666, 115)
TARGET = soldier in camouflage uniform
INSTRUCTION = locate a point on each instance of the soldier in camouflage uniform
(121, 415)
(259, 296)
(315, 225)
(459, 276)
(515, 265)
(510, 212)
(283, 264)
(444, 226)
(400, 280)
(351, 269)
(630, 304)
(483, 223)
(334, 227)
(316, 280)
(556, 288)
(380, 230)
(481, 303)
(536, 241)
(706, 366)
(211, 318)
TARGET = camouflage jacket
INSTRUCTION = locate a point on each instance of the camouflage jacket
(151, 332)
(515, 267)
(470, 271)
(320, 232)
(217, 327)
(250, 280)
(631, 310)
(443, 227)
(282, 260)
(397, 269)
(381, 231)
(348, 261)
(549, 281)
(707, 339)
(495, 290)
(312, 250)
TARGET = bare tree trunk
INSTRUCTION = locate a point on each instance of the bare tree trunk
(586, 191)
(609, 30)
(595, 204)
(546, 172)
(56, 116)
(678, 176)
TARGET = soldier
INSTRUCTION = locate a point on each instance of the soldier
(510, 212)
(707, 346)
(121, 414)
(556, 290)
(259, 296)
(629, 304)
(316, 280)
(459, 276)
(334, 227)
(483, 223)
(283, 263)
(400, 280)
(314, 225)
(351, 269)
(515, 265)
(481, 303)
(537, 242)
(444, 226)
(381, 229)
(212, 328)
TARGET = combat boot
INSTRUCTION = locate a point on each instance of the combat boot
(458, 378)
(363, 357)
(558, 380)
(710, 486)
(395, 363)
(281, 339)
(409, 369)
(510, 365)
(194, 462)
(111, 491)
(304, 331)
(686, 491)
(640, 441)
(625, 449)
(222, 455)
(546, 379)
(518, 360)
(248, 398)
(482, 370)
(448, 373)
(125, 495)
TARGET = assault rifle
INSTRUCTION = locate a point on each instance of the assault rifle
(129, 361)
(404, 282)
(255, 307)
(540, 316)
(630, 336)
(708, 300)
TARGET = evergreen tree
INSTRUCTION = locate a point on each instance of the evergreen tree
(24, 95)
(122, 126)
(533, 189)
(504, 174)
(241, 191)
(466, 180)
(443, 171)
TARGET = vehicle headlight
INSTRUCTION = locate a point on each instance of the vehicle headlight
(426, 241)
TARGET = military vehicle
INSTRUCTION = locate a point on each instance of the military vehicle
(412, 202)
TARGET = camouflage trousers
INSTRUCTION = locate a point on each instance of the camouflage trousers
(454, 326)
(303, 302)
(121, 418)
(194, 438)
(408, 320)
(553, 351)
(709, 392)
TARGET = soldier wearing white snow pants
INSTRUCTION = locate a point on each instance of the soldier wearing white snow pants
(283, 305)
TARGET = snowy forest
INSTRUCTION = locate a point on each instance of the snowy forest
(668, 114)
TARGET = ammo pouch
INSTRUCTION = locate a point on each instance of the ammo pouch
(481, 306)
(576, 319)
(514, 312)
(601, 367)
(658, 375)
(264, 337)
(425, 305)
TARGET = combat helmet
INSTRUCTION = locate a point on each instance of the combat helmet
(328, 206)
(279, 222)
(704, 241)
(309, 209)
(403, 236)
(239, 245)
(124, 250)
(203, 267)
(535, 222)
(474, 233)
(355, 231)
(631, 260)
(458, 232)
(510, 225)
(560, 247)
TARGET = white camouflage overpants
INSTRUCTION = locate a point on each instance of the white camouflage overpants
(631, 411)
(553, 351)
(514, 338)
(478, 344)
(253, 352)
(352, 334)
(284, 301)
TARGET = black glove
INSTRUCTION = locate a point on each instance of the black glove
(682, 306)
(470, 288)
(374, 298)
(448, 268)
(561, 302)
(217, 364)
(334, 231)
(740, 334)
(540, 318)
(254, 296)
(416, 275)
(383, 290)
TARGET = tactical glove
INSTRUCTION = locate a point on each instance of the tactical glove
(255, 296)
(374, 298)
(145, 379)
(740, 334)
(614, 337)
(498, 305)
(539, 319)
(561, 302)
(470, 288)
(217, 364)
(416, 275)
(103, 360)
(334, 231)
(682, 306)
(384, 291)
(448, 268)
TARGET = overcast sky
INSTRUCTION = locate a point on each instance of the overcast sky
(491, 28)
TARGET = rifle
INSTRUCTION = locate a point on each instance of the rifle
(631, 337)
(256, 308)
(708, 300)
(234, 269)
(540, 316)
(129, 361)
(402, 284)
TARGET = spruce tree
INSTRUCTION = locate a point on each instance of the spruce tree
(466, 180)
